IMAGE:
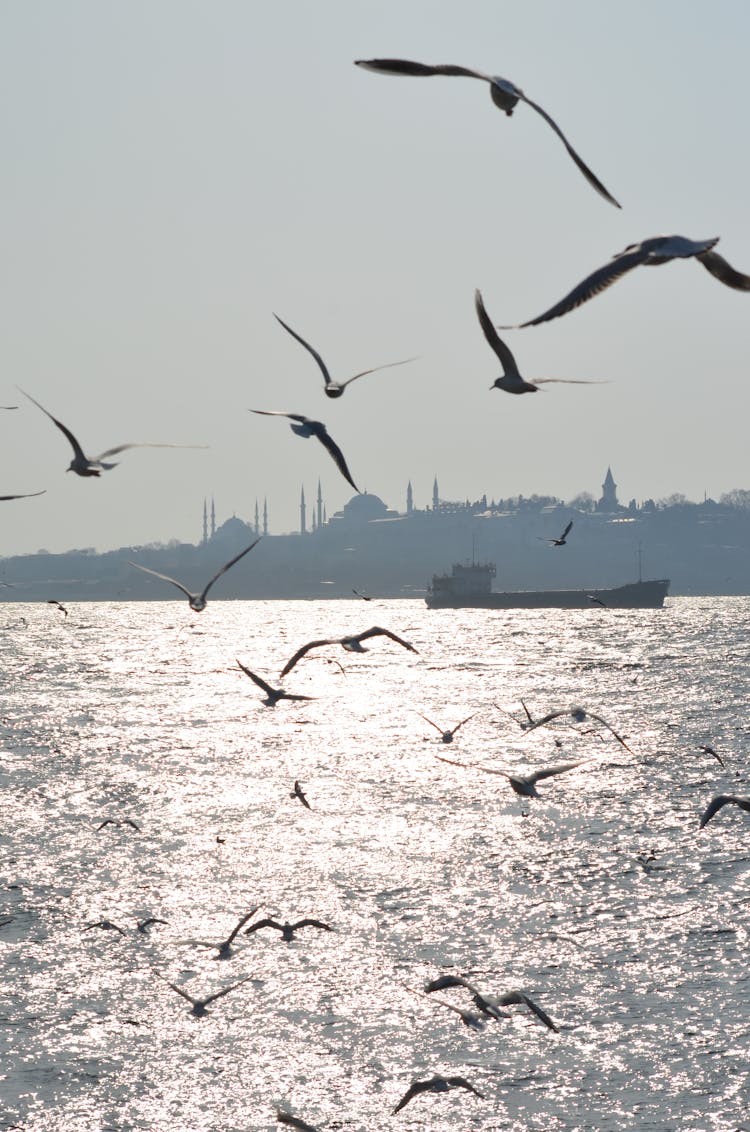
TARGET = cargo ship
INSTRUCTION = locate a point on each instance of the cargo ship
(470, 586)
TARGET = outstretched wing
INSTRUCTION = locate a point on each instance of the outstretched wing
(257, 680)
(338, 456)
(77, 450)
(312, 924)
(124, 448)
(424, 717)
(507, 361)
(303, 651)
(226, 990)
(164, 577)
(406, 67)
(374, 369)
(726, 274)
(524, 1000)
(265, 923)
(241, 924)
(550, 771)
(28, 495)
(721, 800)
(183, 993)
(309, 348)
(294, 1121)
(378, 632)
(567, 530)
(611, 729)
(444, 982)
(590, 176)
(227, 566)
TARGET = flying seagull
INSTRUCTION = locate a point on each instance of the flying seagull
(287, 930)
(721, 800)
(59, 605)
(273, 695)
(26, 495)
(473, 1021)
(120, 822)
(294, 1121)
(511, 381)
(446, 736)
(578, 715)
(335, 388)
(436, 1084)
(650, 253)
(298, 792)
(143, 925)
(197, 602)
(307, 427)
(84, 465)
(490, 1004)
(365, 597)
(710, 751)
(225, 949)
(351, 644)
(503, 93)
(523, 784)
(562, 540)
(106, 924)
(199, 1004)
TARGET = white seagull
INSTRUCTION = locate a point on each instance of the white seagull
(650, 253)
(306, 427)
(351, 644)
(84, 465)
(505, 94)
(335, 388)
(197, 602)
(511, 381)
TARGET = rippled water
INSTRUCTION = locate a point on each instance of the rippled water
(139, 712)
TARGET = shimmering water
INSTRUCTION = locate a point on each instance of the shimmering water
(139, 712)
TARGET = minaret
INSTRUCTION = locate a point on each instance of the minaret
(205, 522)
(265, 516)
(302, 524)
(320, 506)
(257, 519)
(435, 496)
(608, 501)
(213, 518)
(409, 499)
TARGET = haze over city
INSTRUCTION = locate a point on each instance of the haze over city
(177, 172)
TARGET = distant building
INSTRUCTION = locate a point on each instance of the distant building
(608, 501)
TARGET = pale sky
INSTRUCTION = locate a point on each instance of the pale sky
(174, 171)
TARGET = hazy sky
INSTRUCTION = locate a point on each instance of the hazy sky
(175, 171)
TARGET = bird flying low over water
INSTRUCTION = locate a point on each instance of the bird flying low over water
(199, 1004)
(298, 792)
(469, 1019)
(503, 93)
(58, 604)
(306, 427)
(84, 465)
(287, 930)
(120, 822)
(335, 388)
(721, 800)
(710, 751)
(273, 695)
(490, 1004)
(650, 253)
(197, 602)
(225, 950)
(522, 784)
(294, 1121)
(446, 736)
(26, 495)
(562, 540)
(578, 715)
(436, 1084)
(511, 381)
(351, 644)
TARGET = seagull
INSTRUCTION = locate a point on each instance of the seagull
(287, 930)
(273, 695)
(511, 381)
(721, 800)
(650, 253)
(334, 388)
(351, 644)
(473, 1021)
(60, 606)
(120, 822)
(503, 93)
(436, 1084)
(199, 1004)
(107, 924)
(225, 948)
(579, 715)
(523, 784)
(710, 751)
(562, 540)
(489, 1004)
(307, 427)
(298, 792)
(446, 736)
(27, 495)
(143, 925)
(294, 1121)
(197, 602)
(84, 465)
(364, 597)
(597, 601)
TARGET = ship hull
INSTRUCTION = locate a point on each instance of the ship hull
(635, 595)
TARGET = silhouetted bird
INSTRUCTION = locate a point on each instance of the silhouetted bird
(436, 1084)
(287, 930)
(199, 1004)
(490, 1004)
(446, 736)
(120, 822)
(522, 784)
(294, 1121)
(225, 949)
(27, 495)
(107, 925)
(306, 428)
(197, 602)
(351, 644)
(298, 792)
(578, 715)
(710, 751)
(561, 541)
(721, 800)
(503, 93)
(143, 925)
(58, 604)
(273, 695)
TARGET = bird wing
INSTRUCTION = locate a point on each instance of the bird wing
(124, 448)
(424, 717)
(280, 413)
(226, 990)
(567, 530)
(338, 456)
(376, 631)
(311, 924)
(77, 450)
(466, 766)
(309, 348)
(406, 67)
(241, 924)
(164, 577)
(726, 274)
(604, 723)
(545, 719)
(257, 680)
(590, 176)
(28, 495)
(305, 649)
(294, 1121)
(523, 1000)
(188, 997)
(721, 800)
(463, 721)
(414, 1090)
(266, 923)
(298, 792)
(507, 361)
(462, 1083)
(549, 771)
(444, 982)
(592, 285)
(227, 566)
(374, 369)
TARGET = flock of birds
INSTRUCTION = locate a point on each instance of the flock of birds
(650, 252)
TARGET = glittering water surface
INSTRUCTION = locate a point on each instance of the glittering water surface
(422, 868)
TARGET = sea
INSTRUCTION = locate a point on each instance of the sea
(601, 899)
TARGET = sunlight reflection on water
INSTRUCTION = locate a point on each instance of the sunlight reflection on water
(603, 903)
